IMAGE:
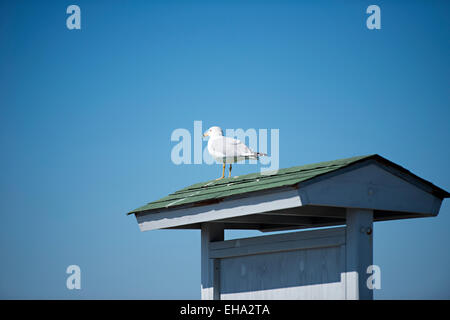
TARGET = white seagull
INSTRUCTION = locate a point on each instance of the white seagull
(228, 150)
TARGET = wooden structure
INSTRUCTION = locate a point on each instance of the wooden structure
(345, 195)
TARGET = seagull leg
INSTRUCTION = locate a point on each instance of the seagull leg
(223, 172)
(230, 172)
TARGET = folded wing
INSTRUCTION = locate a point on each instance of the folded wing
(231, 148)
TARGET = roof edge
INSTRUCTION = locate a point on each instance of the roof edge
(390, 166)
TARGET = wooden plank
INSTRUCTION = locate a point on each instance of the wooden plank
(223, 210)
(209, 273)
(300, 274)
(278, 242)
(300, 235)
(370, 187)
(359, 253)
(278, 247)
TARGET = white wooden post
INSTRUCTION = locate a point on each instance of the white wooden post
(359, 253)
(210, 267)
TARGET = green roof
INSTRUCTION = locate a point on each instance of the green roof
(216, 190)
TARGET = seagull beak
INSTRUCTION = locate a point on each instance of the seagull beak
(205, 134)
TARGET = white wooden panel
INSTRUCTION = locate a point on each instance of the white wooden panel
(225, 209)
(209, 267)
(328, 291)
(296, 265)
(367, 187)
(300, 274)
(290, 236)
(278, 242)
(370, 187)
(359, 253)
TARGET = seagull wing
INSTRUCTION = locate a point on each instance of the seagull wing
(229, 147)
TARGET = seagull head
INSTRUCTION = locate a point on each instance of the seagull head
(213, 131)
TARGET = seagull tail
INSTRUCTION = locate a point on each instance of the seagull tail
(260, 154)
(255, 155)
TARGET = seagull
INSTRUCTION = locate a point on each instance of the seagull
(228, 150)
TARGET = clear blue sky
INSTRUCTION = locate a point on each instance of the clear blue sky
(86, 117)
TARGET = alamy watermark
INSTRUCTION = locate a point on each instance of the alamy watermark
(190, 149)
(374, 280)
(74, 280)
(374, 20)
(74, 20)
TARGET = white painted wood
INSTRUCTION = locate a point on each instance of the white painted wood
(209, 267)
(370, 187)
(289, 236)
(225, 209)
(328, 291)
(277, 247)
(359, 253)
(278, 242)
(297, 265)
(317, 264)
(299, 274)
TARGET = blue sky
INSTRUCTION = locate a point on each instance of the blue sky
(86, 117)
